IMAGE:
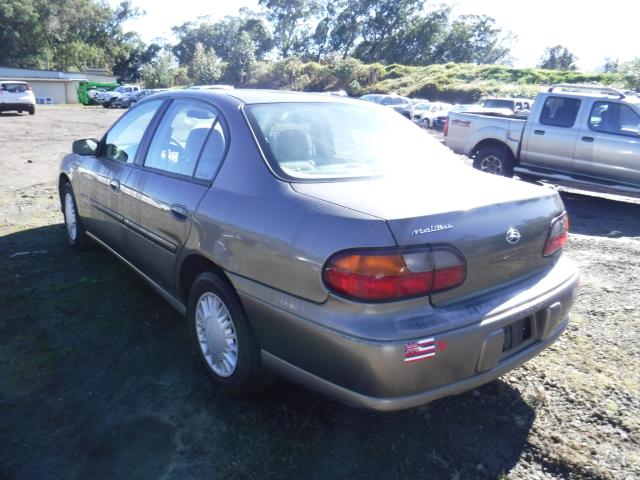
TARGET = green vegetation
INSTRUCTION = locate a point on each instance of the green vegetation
(461, 83)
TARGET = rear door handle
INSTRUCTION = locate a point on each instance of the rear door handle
(539, 132)
(115, 185)
(587, 139)
(179, 212)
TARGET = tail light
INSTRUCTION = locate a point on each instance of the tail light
(393, 274)
(445, 130)
(558, 234)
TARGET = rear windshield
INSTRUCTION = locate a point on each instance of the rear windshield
(14, 87)
(321, 141)
(499, 104)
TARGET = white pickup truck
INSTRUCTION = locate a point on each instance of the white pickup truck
(582, 136)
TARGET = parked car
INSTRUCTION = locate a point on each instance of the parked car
(402, 105)
(295, 237)
(387, 99)
(108, 99)
(441, 120)
(17, 96)
(582, 136)
(426, 113)
(129, 99)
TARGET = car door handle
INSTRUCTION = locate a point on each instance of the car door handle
(587, 139)
(539, 132)
(179, 212)
(115, 185)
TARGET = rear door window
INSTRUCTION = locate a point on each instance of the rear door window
(180, 138)
(560, 111)
(615, 118)
(123, 140)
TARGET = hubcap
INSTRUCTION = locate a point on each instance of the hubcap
(70, 216)
(492, 164)
(216, 334)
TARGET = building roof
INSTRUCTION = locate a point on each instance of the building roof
(40, 74)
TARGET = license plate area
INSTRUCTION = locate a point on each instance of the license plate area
(517, 336)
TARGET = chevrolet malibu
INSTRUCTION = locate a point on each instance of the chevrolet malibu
(327, 240)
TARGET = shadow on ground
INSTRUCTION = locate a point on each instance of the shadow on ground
(97, 380)
(602, 217)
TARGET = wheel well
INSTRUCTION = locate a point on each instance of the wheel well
(61, 181)
(192, 266)
(493, 143)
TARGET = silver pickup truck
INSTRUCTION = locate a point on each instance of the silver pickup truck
(583, 136)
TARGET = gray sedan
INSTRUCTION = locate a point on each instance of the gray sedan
(328, 240)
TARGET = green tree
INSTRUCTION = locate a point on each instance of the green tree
(558, 58)
(473, 39)
(63, 34)
(242, 59)
(128, 68)
(290, 20)
(161, 72)
(205, 68)
(630, 74)
(222, 36)
(611, 65)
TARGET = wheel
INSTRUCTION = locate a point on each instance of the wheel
(32, 110)
(76, 234)
(111, 104)
(222, 336)
(424, 123)
(494, 159)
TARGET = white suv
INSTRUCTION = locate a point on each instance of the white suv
(18, 96)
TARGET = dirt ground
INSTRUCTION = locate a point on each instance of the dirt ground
(97, 379)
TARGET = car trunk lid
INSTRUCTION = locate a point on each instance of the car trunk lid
(474, 214)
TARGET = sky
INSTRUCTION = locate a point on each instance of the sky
(588, 29)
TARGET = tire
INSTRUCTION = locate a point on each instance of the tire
(76, 234)
(32, 110)
(494, 159)
(214, 339)
(424, 123)
(110, 104)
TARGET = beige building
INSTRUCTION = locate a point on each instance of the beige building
(51, 87)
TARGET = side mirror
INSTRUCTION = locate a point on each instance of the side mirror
(86, 146)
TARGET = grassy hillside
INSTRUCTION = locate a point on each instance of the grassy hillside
(459, 83)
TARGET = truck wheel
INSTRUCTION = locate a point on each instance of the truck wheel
(32, 110)
(111, 104)
(222, 336)
(494, 159)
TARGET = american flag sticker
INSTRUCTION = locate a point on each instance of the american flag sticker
(422, 349)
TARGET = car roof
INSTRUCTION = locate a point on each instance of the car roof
(251, 96)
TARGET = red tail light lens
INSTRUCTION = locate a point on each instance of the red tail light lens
(374, 275)
(558, 235)
(445, 130)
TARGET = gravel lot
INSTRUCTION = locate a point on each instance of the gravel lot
(97, 379)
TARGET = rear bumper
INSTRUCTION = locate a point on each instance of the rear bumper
(390, 374)
(26, 105)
